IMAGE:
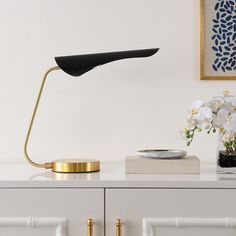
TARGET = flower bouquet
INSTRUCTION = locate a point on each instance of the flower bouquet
(217, 114)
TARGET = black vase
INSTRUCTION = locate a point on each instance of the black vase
(226, 162)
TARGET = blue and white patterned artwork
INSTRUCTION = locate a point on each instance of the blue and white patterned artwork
(224, 36)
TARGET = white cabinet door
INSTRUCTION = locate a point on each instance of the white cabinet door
(51, 212)
(172, 212)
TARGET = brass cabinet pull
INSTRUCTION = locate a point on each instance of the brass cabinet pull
(90, 224)
(118, 227)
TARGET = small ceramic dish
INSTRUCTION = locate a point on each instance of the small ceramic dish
(162, 153)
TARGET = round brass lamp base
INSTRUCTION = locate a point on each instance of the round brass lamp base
(75, 166)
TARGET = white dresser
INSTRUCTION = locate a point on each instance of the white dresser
(35, 202)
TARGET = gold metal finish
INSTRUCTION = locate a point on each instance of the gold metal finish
(90, 224)
(202, 48)
(75, 166)
(118, 227)
(202, 42)
(27, 157)
(62, 166)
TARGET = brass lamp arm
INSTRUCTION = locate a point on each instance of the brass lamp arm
(77, 65)
(27, 158)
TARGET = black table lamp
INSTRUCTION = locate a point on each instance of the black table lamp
(76, 66)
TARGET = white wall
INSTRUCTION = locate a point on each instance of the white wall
(111, 111)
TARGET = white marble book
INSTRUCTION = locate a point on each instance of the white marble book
(140, 165)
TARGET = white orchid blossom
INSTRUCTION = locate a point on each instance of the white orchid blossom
(202, 118)
(221, 118)
(227, 106)
(196, 106)
(215, 104)
(217, 113)
(227, 137)
(190, 124)
(230, 125)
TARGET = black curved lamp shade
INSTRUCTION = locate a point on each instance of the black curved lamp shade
(80, 64)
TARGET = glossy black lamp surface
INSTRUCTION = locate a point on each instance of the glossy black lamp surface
(80, 64)
(77, 66)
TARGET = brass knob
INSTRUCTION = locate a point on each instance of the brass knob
(118, 227)
(90, 224)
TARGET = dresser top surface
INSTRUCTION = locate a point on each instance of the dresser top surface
(112, 175)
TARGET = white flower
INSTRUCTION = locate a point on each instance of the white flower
(226, 93)
(215, 104)
(230, 125)
(218, 113)
(227, 137)
(203, 124)
(196, 106)
(221, 117)
(228, 101)
(227, 106)
(205, 112)
(190, 123)
(226, 96)
(202, 118)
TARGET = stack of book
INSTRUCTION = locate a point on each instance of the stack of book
(140, 165)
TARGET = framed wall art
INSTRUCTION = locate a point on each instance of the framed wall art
(218, 39)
